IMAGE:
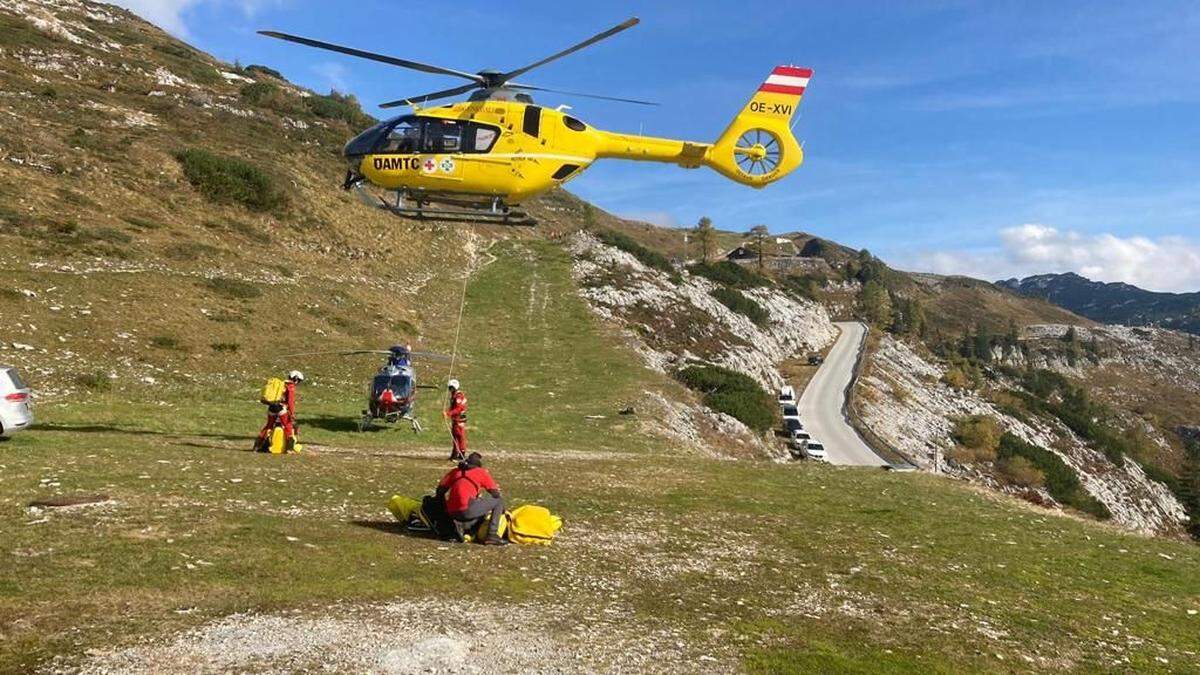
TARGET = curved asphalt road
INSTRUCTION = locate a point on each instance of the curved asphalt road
(822, 401)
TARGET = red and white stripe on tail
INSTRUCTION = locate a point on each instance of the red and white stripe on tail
(787, 80)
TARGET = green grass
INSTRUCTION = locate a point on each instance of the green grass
(813, 568)
(802, 567)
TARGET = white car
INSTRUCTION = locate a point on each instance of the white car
(790, 412)
(800, 438)
(815, 450)
(15, 411)
(787, 395)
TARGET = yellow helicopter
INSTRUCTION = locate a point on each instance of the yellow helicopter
(486, 155)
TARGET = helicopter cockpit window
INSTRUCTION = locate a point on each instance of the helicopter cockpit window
(403, 138)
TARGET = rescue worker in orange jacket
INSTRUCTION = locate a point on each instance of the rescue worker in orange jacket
(456, 412)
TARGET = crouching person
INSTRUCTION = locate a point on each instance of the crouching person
(471, 493)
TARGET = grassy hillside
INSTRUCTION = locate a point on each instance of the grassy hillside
(168, 236)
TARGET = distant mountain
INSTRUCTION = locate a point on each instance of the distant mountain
(1118, 303)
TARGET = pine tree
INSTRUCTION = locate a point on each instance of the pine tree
(761, 237)
(877, 305)
(706, 235)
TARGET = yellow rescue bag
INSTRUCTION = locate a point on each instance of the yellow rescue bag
(272, 391)
(277, 441)
(532, 524)
(404, 508)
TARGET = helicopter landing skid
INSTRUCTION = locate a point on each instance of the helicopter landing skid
(465, 207)
(367, 419)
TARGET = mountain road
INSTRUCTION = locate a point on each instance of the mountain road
(824, 399)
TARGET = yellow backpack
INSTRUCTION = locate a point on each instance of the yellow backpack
(532, 524)
(272, 391)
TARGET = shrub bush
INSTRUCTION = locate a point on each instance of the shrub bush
(255, 69)
(728, 273)
(802, 286)
(337, 106)
(225, 347)
(167, 342)
(228, 180)
(732, 393)
(93, 381)
(649, 258)
(738, 302)
(1020, 471)
(233, 288)
(1060, 479)
(978, 432)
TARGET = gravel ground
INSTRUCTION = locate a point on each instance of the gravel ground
(427, 636)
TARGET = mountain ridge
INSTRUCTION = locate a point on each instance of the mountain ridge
(1112, 302)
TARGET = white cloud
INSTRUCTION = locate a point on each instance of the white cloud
(169, 14)
(1161, 264)
(333, 73)
(166, 14)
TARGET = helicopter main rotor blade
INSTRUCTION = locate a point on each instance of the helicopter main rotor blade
(628, 23)
(382, 58)
(337, 353)
(430, 355)
(430, 97)
(530, 87)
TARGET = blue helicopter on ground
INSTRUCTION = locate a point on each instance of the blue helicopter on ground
(392, 392)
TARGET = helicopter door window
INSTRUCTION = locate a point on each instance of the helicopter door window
(404, 138)
(443, 136)
(485, 138)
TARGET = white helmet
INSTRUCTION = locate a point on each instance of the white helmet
(452, 384)
(296, 376)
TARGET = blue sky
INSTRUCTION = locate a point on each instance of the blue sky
(990, 139)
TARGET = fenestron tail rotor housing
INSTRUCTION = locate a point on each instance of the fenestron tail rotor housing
(758, 152)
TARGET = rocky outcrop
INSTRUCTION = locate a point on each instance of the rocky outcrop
(671, 322)
(903, 401)
(678, 321)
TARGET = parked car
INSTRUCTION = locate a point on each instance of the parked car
(790, 412)
(15, 411)
(815, 450)
(791, 425)
(787, 395)
(800, 439)
(815, 359)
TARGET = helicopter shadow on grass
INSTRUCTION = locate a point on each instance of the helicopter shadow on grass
(337, 424)
(111, 429)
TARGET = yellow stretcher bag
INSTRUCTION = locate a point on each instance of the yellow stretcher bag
(532, 524)
(404, 508)
(272, 391)
(277, 446)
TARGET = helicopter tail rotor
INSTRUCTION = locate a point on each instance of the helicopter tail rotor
(758, 147)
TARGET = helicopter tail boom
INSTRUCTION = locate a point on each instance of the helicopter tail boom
(756, 149)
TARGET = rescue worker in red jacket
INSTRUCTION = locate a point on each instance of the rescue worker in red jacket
(456, 412)
(290, 400)
(471, 493)
(282, 414)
